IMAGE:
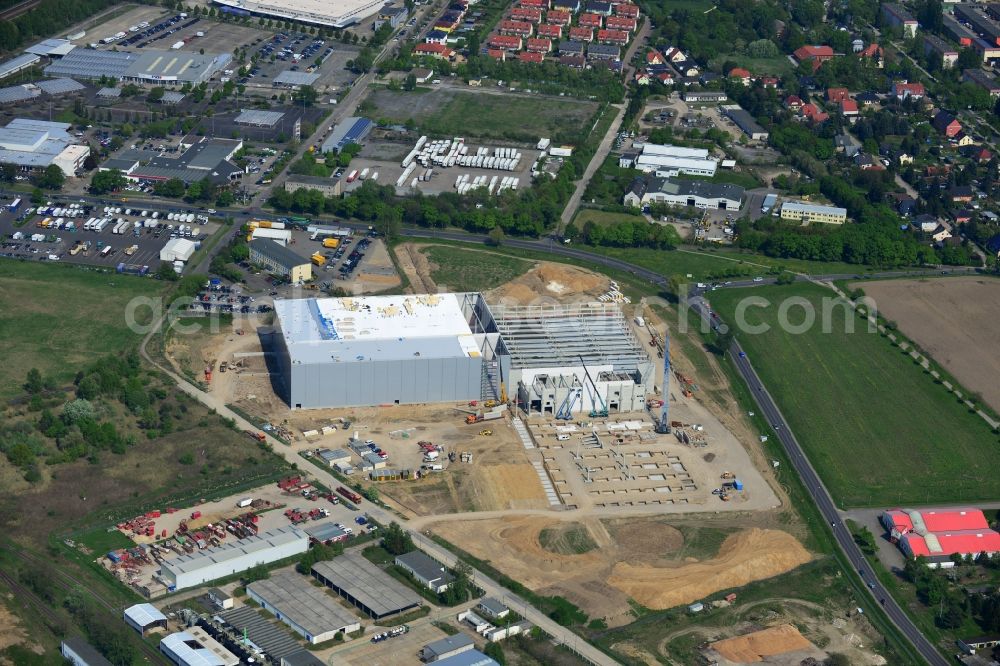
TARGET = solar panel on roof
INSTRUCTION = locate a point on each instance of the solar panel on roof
(60, 86)
(258, 117)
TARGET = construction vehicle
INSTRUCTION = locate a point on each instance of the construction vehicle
(318, 259)
(208, 373)
(486, 433)
(594, 412)
(565, 411)
(223, 366)
(490, 404)
(663, 424)
(331, 243)
(728, 475)
(253, 434)
(483, 416)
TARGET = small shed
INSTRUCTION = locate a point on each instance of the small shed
(422, 74)
(143, 617)
(696, 607)
(221, 600)
(177, 249)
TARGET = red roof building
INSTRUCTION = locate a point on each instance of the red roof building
(550, 30)
(666, 78)
(439, 51)
(793, 102)
(814, 114)
(626, 9)
(619, 37)
(837, 94)
(591, 20)
(539, 45)
(938, 534)
(815, 54)
(558, 17)
(539, 4)
(901, 521)
(769, 81)
(506, 42)
(848, 107)
(654, 57)
(516, 28)
(946, 124)
(497, 54)
(529, 14)
(529, 56)
(740, 73)
(904, 90)
(875, 53)
(621, 23)
(581, 34)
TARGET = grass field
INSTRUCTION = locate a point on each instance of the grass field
(603, 218)
(447, 113)
(567, 540)
(874, 424)
(469, 270)
(57, 318)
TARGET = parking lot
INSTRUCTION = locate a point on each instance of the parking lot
(278, 54)
(136, 247)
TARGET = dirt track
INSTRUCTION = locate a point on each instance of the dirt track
(953, 321)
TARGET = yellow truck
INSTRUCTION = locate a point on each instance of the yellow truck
(331, 242)
(318, 259)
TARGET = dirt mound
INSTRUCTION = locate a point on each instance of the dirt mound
(754, 647)
(744, 557)
(548, 281)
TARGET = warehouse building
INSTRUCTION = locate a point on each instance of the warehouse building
(203, 158)
(258, 118)
(339, 352)
(51, 48)
(235, 557)
(668, 165)
(18, 64)
(573, 359)
(330, 187)
(980, 22)
(746, 122)
(939, 534)
(365, 585)
(33, 145)
(308, 610)
(349, 130)
(143, 617)
(264, 635)
(797, 210)
(78, 652)
(981, 79)
(194, 647)
(426, 570)
(468, 658)
(147, 67)
(332, 457)
(677, 192)
(340, 14)
(279, 260)
(280, 236)
(448, 646)
(177, 249)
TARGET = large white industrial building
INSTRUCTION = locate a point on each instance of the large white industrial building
(212, 563)
(336, 14)
(667, 160)
(310, 611)
(340, 352)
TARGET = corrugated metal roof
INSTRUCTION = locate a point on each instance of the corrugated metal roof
(92, 64)
(60, 86)
(18, 94)
(258, 117)
(300, 603)
(144, 614)
(367, 584)
(272, 639)
(16, 64)
(290, 78)
(181, 645)
(51, 47)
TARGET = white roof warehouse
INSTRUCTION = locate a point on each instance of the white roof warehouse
(36, 144)
(307, 609)
(153, 67)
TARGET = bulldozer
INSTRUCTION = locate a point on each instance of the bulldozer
(486, 433)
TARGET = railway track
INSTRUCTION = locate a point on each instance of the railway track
(12, 13)
(25, 595)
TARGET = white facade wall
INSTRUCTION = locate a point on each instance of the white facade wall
(209, 569)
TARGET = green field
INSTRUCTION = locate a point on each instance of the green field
(877, 428)
(445, 113)
(470, 270)
(57, 318)
(603, 218)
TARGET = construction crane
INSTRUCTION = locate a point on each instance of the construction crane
(594, 412)
(663, 426)
(565, 412)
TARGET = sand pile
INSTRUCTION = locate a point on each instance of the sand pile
(744, 557)
(754, 647)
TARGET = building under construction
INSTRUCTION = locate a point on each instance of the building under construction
(571, 360)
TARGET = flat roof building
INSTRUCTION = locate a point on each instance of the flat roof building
(203, 157)
(194, 647)
(36, 144)
(983, 80)
(426, 570)
(374, 350)
(330, 187)
(938, 534)
(468, 658)
(310, 611)
(796, 210)
(236, 557)
(271, 638)
(746, 122)
(448, 646)
(18, 64)
(143, 617)
(258, 118)
(665, 165)
(895, 16)
(295, 79)
(279, 260)
(78, 652)
(349, 130)
(365, 585)
(177, 249)
(51, 48)
(148, 66)
(680, 192)
(318, 12)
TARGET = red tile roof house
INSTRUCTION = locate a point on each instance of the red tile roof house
(439, 51)
(946, 124)
(529, 56)
(875, 53)
(497, 54)
(654, 58)
(506, 42)
(619, 37)
(815, 54)
(591, 20)
(793, 102)
(621, 23)
(642, 78)
(550, 31)
(812, 113)
(558, 17)
(582, 34)
(848, 107)
(903, 90)
(539, 4)
(516, 28)
(529, 14)
(666, 78)
(937, 534)
(769, 81)
(626, 9)
(539, 45)
(837, 94)
(743, 75)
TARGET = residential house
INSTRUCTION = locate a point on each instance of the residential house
(539, 45)
(531, 56)
(903, 90)
(497, 54)
(769, 81)
(569, 47)
(993, 245)
(654, 57)
(867, 162)
(837, 95)
(962, 216)
(573, 61)
(550, 31)
(581, 34)
(619, 37)
(793, 103)
(604, 52)
(846, 144)
(960, 194)
(642, 78)
(940, 49)
(963, 140)
(817, 55)
(814, 114)
(904, 203)
(627, 10)
(873, 53)
(857, 45)
(558, 17)
(901, 157)
(675, 55)
(849, 108)
(941, 233)
(741, 75)
(946, 124)
(894, 16)
(591, 21)
(978, 153)
(505, 42)
(437, 51)
(866, 98)
(621, 23)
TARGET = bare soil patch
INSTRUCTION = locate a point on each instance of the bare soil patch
(755, 647)
(550, 282)
(953, 320)
(11, 629)
(745, 557)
